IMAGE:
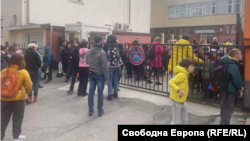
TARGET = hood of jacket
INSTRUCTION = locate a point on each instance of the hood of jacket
(47, 49)
(111, 39)
(95, 49)
(184, 42)
(83, 50)
(179, 69)
(228, 60)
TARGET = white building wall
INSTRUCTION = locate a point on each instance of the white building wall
(9, 8)
(98, 12)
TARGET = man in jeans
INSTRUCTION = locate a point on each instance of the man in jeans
(98, 74)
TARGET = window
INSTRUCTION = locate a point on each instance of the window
(233, 29)
(183, 11)
(194, 9)
(172, 31)
(2, 26)
(226, 29)
(191, 30)
(230, 6)
(177, 11)
(188, 10)
(166, 31)
(171, 12)
(200, 9)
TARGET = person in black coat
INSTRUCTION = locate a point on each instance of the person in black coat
(67, 56)
(33, 63)
(215, 43)
(195, 43)
(74, 66)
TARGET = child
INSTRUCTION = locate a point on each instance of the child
(235, 84)
(216, 64)
(206, 67)
(47, 60)
(194, 77)
(179, 91)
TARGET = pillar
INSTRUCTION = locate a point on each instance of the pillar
(247, 54)
(163, 38)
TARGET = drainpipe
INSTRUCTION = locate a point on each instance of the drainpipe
(28, 11)
(129, 11)
(51, 33)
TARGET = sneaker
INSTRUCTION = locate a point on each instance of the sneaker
(109, 97)
(91, 113)
(149, 81)
(119, 89)
(40, 86)
(115, 95)
(70, 92)
(67, 80)
(30, 98)
(20, 138)
(158, 83)
(100, 114)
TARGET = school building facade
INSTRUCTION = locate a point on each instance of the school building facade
(200, 19)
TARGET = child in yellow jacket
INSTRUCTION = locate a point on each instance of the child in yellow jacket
(179, 91)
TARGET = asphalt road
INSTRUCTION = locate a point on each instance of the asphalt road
(58, 116)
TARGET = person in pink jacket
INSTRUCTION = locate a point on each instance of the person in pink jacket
(156, 64)
(83, 69)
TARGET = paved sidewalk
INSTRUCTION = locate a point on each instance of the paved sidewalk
(61, 117)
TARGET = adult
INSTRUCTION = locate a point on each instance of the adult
(33, 63)
(15, 106)
(215, 44)
(11, 51)
(83, 69)
(60, 66)
(98, 67)
(111, 47)
(195, 44)
(4, 58)
(182, 50)
(41, 57)
(156, 63)
(74, 67)
(169, 53)
(66, 55)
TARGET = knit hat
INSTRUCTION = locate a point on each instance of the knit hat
(207, 53)
(220, 54)
(31, 45)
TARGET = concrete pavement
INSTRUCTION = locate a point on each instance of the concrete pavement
(58, 116)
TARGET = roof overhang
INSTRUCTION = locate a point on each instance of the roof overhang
(204, 31)
(34, 26)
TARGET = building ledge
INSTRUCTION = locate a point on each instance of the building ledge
(131, 33)
(34, 26)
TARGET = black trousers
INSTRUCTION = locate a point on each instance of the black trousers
(206, 83)
(73, 79)
(139, 71)
(195, 81)
(7, 109)
(69, 70)
(84, 79)
(129, 68)
(227, 107)
(156, 73)
(49, 74)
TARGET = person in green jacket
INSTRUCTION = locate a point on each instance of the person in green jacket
(235, 84)
(206, 68)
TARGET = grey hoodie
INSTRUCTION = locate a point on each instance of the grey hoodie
(97, 61)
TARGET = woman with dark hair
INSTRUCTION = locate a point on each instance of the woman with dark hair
(195, 43)
(60, 66)
(83, 69)
(11, 51)
(66, 56)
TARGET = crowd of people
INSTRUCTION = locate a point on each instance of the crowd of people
(104, 63)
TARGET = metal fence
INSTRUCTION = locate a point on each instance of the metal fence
(139, 76)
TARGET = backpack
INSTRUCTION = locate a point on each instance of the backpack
(151, 54)
(4, 64)
(9, 84)
(219, 77)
